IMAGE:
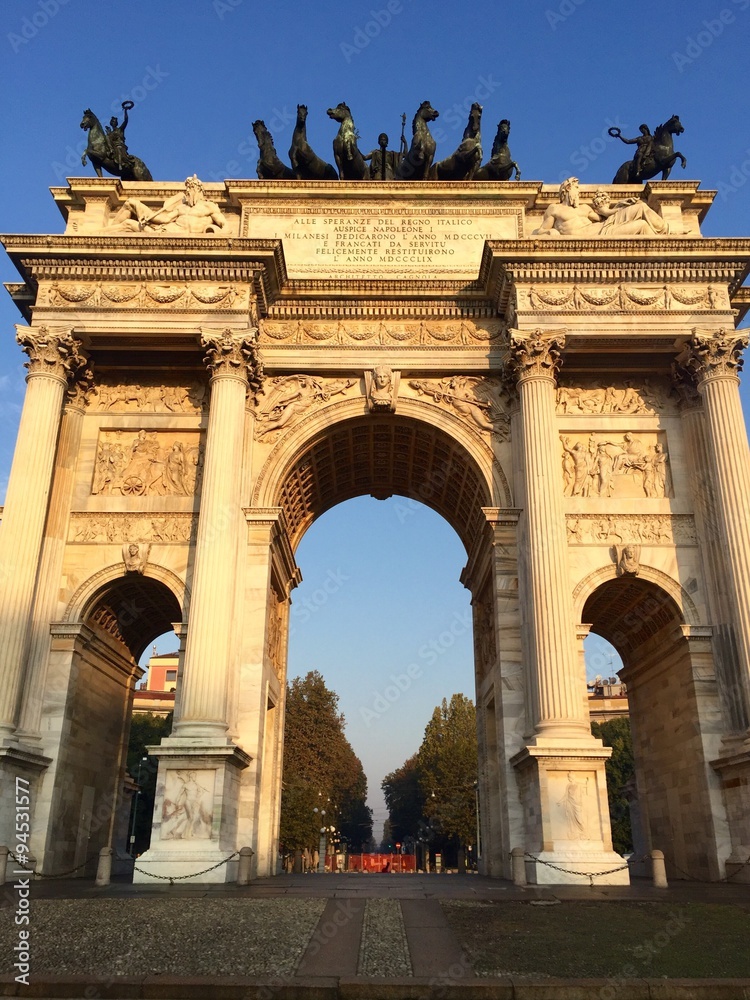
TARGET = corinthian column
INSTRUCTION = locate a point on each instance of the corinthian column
(557, 684)
(54, 359)
(712, 359)
(234, 365)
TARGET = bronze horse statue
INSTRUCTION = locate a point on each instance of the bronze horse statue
(109, 150)
(464, 163)
(349, 160)
(660, 156)
(305, 164)
(416, 164)
(270, 167)
(500, 165)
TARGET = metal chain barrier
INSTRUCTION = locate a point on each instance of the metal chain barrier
(589, 875)
(177, 878)
(22, 864)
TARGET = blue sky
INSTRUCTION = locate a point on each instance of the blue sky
(200, 71)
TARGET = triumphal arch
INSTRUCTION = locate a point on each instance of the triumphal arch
(211, 367)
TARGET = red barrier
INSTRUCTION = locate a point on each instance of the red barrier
(388, 863)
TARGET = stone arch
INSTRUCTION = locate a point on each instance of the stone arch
(85, 593)
(673, 702)
(437, 442)
(590, 583)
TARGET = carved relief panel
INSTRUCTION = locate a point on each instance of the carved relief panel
(187, 810)
(147, 463)
(612, 465)
(120, 528)
(592, 396)
(150, 397)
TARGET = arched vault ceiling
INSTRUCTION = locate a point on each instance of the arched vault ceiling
(383, 456)
(135, 610)
(628, 611)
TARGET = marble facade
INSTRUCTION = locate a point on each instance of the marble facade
(200, 390)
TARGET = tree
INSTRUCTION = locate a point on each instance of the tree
(146, 729)
(620, 769)
(321, 770)
(448, 769)
(405, 800)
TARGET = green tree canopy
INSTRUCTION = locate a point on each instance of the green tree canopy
(405, 800)
(448, 769)
(321, 770)
(620, 768)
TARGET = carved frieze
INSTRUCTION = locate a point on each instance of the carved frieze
(592, 396)
(143, 397)
(149, 463)
(430, 333)
(286, 398)
(649, 529)
(476, 400)
(117, 528)
(143, 295)
(623, 297)
(635, 465)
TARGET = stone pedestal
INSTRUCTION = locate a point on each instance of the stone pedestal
(195, 814)
(565, 806)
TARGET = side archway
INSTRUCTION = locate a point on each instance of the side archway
(673, 702)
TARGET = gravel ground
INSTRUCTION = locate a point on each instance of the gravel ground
(186, 937)
(383, 949)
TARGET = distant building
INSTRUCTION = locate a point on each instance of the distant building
(608, 699)
(157, 693)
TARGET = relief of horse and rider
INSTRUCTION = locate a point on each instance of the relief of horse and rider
(414, 161)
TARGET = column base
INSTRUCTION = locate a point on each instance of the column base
(195, 814)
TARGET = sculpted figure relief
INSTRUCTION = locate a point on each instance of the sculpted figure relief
(628, 559)
(188, 806)
(597, 398)
(289, 396)
(190, 214)
(477, 399)
(604, 468)
(135, 556)
(151, 398)
(601, 218)
(381, 386)
(148, 466)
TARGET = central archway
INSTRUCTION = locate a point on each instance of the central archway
(419, 453)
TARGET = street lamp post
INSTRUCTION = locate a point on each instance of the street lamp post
(133, 818)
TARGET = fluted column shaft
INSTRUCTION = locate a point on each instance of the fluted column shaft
(52, 356)
(50, 567)
(714, 360)
(203, 701)
(555, 667)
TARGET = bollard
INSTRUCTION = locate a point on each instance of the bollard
(658, 870)
(518, 866)
(3, 864)
(243, 868)
(104, 868)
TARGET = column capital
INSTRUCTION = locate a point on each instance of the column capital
(53, 351)
(233, 354)
(536, 354)
(711, 354)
